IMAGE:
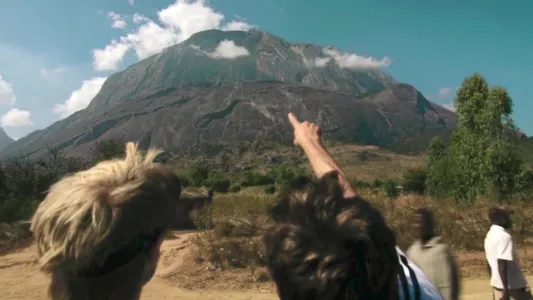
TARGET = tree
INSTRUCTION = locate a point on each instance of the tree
(108, 149)
(440, 177)
(482, 157)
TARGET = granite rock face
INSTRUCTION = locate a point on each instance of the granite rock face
(187, 99)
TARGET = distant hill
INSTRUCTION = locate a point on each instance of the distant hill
(188, 99)
(5, 140)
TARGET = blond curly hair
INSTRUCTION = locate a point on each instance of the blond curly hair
(91, 214)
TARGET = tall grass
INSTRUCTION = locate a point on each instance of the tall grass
(240, 218)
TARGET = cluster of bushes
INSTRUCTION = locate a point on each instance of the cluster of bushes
(24, 181)
(271, 180)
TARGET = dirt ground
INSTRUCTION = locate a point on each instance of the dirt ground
(20, 279)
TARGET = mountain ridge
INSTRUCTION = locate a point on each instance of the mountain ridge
(5, 139)
(181, 99)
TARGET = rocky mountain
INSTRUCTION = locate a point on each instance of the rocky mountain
(5, 140)
(189, 97)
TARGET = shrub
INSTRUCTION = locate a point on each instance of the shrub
(391, 188)
(414, 181)
(198, 175)
(257, 179)
(377, 183)
(217, 183)
(271, 189)
(15, 209)
(234, 189)
(107, 149)
(285, 173)
(185, 182)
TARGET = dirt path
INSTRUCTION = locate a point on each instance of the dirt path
(19, 279)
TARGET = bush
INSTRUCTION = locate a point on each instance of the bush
(391, 188)
(257, 179)
(184, 181)
(198, 175)
(218, 184)
(15, 209)
(234, 189)
(377, 183)
(284, 174)
(414, 181)
(271, 189)
(107, 149)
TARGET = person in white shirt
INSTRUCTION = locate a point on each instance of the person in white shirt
(506, 277)
(328, 243)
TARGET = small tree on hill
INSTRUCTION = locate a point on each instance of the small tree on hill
(108, 149)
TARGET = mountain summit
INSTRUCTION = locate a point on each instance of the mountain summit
(233, 56)
(224, 87)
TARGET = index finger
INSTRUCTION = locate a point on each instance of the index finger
(293, 120)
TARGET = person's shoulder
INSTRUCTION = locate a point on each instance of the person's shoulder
(442, 247)
(500, 234)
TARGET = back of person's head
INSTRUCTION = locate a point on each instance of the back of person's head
(425, 222)
(425, 214)
(500, 217)
(323, 246)
(98, 231)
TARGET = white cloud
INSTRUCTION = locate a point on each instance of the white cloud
(7, 96)
(356, 62)
(175, 24)
(16, 118)
(238, 26)
(45, 73)
(80, 98)
(444, 92)
(138, 18)
(150, 39)
(131, 2)
(110, 57)
(227, 50)
(118, 20)
(322, 61)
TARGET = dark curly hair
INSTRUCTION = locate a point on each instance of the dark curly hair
(324, 246)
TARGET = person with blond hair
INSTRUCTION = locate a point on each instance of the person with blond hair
(99, 231)
(328, 243)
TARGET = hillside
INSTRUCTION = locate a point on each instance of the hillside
(188, 99)
(5, 140)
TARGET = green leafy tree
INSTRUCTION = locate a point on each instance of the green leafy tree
(482, 158)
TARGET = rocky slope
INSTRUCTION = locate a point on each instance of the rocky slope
(196, 117)
(187, 99)
(5, 140)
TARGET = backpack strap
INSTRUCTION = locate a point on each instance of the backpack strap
(412, 275)
(405, 286)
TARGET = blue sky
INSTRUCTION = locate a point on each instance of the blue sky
(47, 62)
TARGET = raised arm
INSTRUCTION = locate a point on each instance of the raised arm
(307, 137)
